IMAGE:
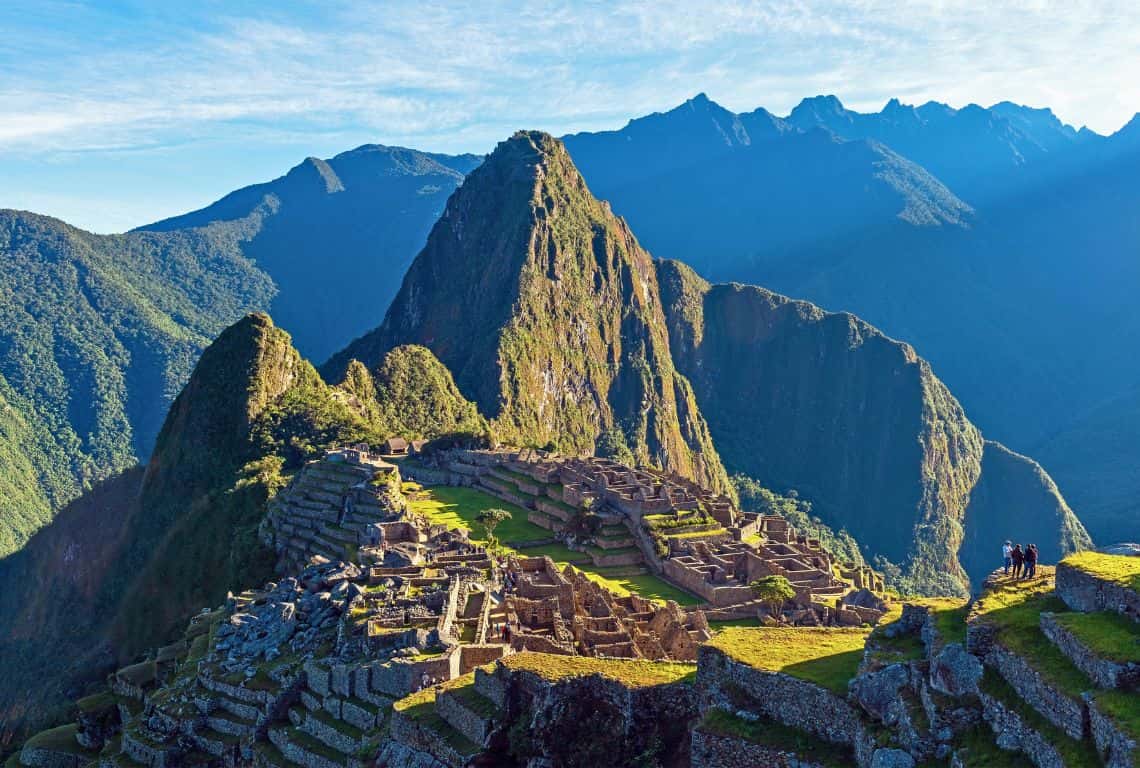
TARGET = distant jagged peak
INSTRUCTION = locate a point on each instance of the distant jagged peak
(314, 168)
(399, 161)
(819, 108)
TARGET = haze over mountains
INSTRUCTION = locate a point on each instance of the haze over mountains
(997, 240)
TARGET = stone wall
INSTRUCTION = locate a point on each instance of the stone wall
(1116, 748)
(1064, 712)
(710, 750)
(1084, 592)
(472, 656)
(1105, 673)
(1012, 733)
(785, 699)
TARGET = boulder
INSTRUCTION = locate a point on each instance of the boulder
(891, 758)
(955, 672)
(879, 692)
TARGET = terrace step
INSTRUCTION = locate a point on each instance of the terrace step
(299, 748)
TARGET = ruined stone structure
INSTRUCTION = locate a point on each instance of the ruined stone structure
(563, 612)
(691, 536)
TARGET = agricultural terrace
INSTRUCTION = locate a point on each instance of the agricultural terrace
(826, 656)
(459, 508)
(635, 673)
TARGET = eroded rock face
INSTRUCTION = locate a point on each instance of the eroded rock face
(955, 672)
(880, 693)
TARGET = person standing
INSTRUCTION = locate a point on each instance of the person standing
(1031, 561)
(1007, 555)
(1018, 558)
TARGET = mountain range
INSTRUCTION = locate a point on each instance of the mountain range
(532, 316)
(996, 240)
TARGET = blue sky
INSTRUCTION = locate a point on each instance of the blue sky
(114, 114)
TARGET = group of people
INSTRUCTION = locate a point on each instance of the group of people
(1023, 562)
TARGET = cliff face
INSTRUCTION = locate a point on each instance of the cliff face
(1016, 499)
(824, 403)
(546, 309)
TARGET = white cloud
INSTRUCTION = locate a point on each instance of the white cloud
(77, 77)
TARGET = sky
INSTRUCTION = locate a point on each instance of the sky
(117, 114)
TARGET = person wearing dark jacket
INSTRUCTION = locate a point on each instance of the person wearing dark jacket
(1031, 561)
(1018, 557)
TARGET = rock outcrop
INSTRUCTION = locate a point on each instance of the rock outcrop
(547, 311)
(828, 405)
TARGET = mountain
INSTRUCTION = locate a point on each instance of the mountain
(546, 309)
(337, 235)
(758, 190)
(100, 332)
(544, 306)
(858, 423)
(1017, 286)
(122, 566)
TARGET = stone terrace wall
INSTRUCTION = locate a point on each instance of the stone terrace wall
(1105, 673)
(710, 750)
(1084, 592)
(785, 699)
(1064, 712)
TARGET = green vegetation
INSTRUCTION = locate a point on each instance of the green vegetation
(756, 498)
(412, 394)
(635, 673)
(1118, 569)
(549, 323)
(1109, 635)
(1015, 608)
(773, 591)
(1123, 708)
(1078, 754)
(461, 507)
(978, 750)
(99, 334)
(490, 519)
(828, 656)
(769, 733)
(59, 739)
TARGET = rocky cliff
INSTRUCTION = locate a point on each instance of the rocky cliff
(546, 309)
(857, 422)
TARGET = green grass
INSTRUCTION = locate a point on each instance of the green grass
(772, 734)
(1109, 635)
(716, 626)
(1123, 707)
(1015, 609)
(1076, 754)
(476, 702)
(826, 656)
(458, 508)
(1118, 569)
(317, 747)
(635, 673)
(60, 739)
(645, 584)
(978, 750)
(96, 702)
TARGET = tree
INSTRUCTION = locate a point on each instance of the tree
(490, 518)
(773, 591)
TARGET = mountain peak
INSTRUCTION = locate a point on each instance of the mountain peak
(545, 308)
(820, 105)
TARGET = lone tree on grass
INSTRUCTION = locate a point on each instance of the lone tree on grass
(490, 518)
(773, 591)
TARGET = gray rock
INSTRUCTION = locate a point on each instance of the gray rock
(955, 672)
(879, 692)
(891, 758)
